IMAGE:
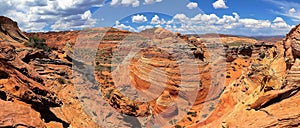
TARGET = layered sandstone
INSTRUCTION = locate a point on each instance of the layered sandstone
(9, 30)
(114, 78)
(35, 86)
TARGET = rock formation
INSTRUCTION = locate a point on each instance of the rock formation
(266, 93)
(10, 31)
(34, 86)
(185, 81)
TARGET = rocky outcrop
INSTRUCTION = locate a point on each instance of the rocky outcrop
(267, 92)
(154, 68)
(10, 28)
(293, 75)
(35, 86)
(57, 40)
(27, 84)
(19, 115)
(156, 75)
(292, 43)
(20, 84)
(234, 52)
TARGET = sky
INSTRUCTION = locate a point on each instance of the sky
(237, 17)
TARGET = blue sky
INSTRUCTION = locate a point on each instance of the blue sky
(239, 17)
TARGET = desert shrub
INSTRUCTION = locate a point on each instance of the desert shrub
(178, 126)
(237, 43)
(61, 81)
(211, 108)
(262, 55)
(38, 43)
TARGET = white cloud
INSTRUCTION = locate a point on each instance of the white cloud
(84, 20)
(211, 23)
(139, 18)
(192, 5)
(151, 1)
(118, 25)
(181, 17)
(278, 20)
(86, 15)
(292, 11)
(279, 23)
(114, 2)
(133, 3)
(141, 28)
(156, 20)
(219, 4)
(255, 24)
(35, 15)
(287, 9)
(206, 19)
(230, 24)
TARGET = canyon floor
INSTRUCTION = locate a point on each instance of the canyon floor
(105, 77)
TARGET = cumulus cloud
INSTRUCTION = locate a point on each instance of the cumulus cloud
(205, 19)
(255, 24)
(292, 11)
(118, 25)
(278, 20)
(219, 4)
(35, 15)
(151, 1)
(114, 2)
(74, 22)
(139, 18)
(157, 20)
(287, 8)
(211, 23)
(279, 23)
(181, 17)
(192, 5)
(133, 3)
(231, 24)
(141, 28)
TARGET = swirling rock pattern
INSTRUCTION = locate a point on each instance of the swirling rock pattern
(149, 69)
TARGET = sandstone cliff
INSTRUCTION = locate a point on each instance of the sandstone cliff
(189, 82)
(35, 87)
(9, 30)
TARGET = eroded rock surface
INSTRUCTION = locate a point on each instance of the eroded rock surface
(35, 86)
(239, 82)
(10, 31)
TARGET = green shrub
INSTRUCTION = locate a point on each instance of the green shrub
(237, 43)
(262, 55)
(38, 43)
(61, 81)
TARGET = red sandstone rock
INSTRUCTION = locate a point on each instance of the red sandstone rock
(260, 89)
(19, 115)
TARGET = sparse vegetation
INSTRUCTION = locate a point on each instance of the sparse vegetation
(211, 108)
(204, 116)
(193, 114)
(38, 43)
(235, 44)
(178, 126)
(61, 80)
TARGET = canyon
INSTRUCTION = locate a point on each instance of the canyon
(105, 77)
